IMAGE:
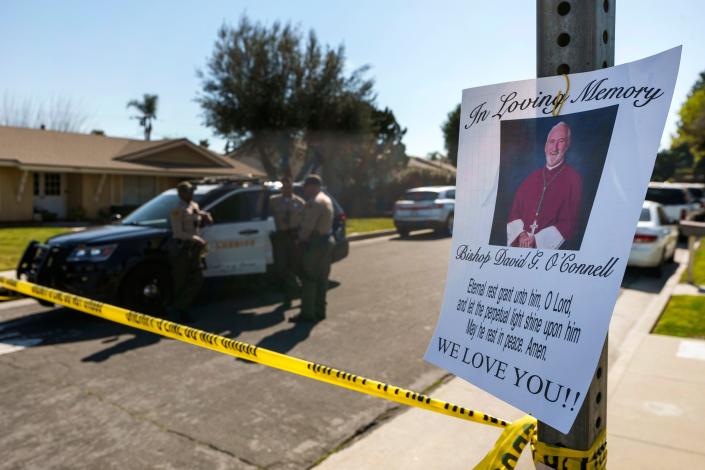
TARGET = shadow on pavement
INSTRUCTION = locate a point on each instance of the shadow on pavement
(140, 340)
(225, 308)
(418, 236)
(284, 341)
(648, 279)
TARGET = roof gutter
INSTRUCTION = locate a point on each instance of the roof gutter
(122, 171)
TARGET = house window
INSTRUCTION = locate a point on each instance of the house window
(137, 189)
(52, 184)
(36, 184)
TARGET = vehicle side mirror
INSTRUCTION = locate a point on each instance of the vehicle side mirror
(115, 218)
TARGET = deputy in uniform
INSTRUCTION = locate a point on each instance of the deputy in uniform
(317, 251)
(186, 221)
(287, 209)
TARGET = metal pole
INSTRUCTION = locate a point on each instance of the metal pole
(577, 36)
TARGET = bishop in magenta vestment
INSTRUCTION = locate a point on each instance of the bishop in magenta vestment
(557, 218)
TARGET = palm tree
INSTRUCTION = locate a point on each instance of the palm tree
(148, 112)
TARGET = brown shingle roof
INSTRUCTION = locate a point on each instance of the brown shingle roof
(431, 165)
(64, 151)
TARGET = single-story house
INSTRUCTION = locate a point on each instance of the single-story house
(86, 174)
(441, 167)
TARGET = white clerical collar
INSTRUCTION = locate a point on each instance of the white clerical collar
(554, 166)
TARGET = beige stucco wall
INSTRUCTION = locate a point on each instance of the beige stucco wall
(81, 190)
(166, 182)
(74, 192)
(10, 209)
(89, 190)
(116, 190)
(112, 193)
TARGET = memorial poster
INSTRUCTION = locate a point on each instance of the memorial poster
(552, 173)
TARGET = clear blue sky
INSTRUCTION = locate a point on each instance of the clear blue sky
(102, 54)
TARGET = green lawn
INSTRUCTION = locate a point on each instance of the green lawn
(698, 267)
(14, 240)
(369, 224)
(684, 316)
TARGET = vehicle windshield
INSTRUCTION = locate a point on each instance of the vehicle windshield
(155, 212)
(645, 215)
(666, 196)
(420, 196)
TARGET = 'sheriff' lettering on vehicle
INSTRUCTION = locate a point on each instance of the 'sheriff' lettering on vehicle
(228, 244)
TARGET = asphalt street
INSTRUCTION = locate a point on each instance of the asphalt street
(80, 392)
(92, 394)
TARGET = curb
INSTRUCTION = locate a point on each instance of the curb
(365, 235)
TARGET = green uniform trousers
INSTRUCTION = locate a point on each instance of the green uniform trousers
(286, 263)
(315, 268)
(187, 276)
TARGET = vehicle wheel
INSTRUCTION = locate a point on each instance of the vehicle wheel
(147, 289)
(449, 224)
(403, 233)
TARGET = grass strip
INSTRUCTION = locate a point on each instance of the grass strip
(364, 225)
(13, 242)
(684, 316)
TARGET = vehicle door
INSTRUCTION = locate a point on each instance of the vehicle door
(238, 240)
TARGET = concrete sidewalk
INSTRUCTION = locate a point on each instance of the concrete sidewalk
(655, 420)
(656, 407)
(656, 413)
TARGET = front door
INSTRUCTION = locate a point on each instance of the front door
(50, 193)
(238, 240)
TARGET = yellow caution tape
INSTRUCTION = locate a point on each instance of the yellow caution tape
(6, 295)
(3, 298)
(594, 458)
(249, 352)
(508, 447)
(506, 451)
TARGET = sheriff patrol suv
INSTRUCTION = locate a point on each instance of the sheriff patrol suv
(128, 262)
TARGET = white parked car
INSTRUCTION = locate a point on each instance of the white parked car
(427, 207)
(676, 200)
(655, 238)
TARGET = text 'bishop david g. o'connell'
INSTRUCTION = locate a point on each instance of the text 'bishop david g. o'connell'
(535, 260)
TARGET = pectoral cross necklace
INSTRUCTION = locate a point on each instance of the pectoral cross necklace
(535, 225)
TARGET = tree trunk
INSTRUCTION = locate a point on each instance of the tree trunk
(265, 158)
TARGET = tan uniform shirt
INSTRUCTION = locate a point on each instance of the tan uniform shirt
(186, 220)
(287, 211)
(317, 217)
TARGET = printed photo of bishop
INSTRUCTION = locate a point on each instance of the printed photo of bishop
(545, 196)
(545, 209)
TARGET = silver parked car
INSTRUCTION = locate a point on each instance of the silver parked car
(423, 208)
